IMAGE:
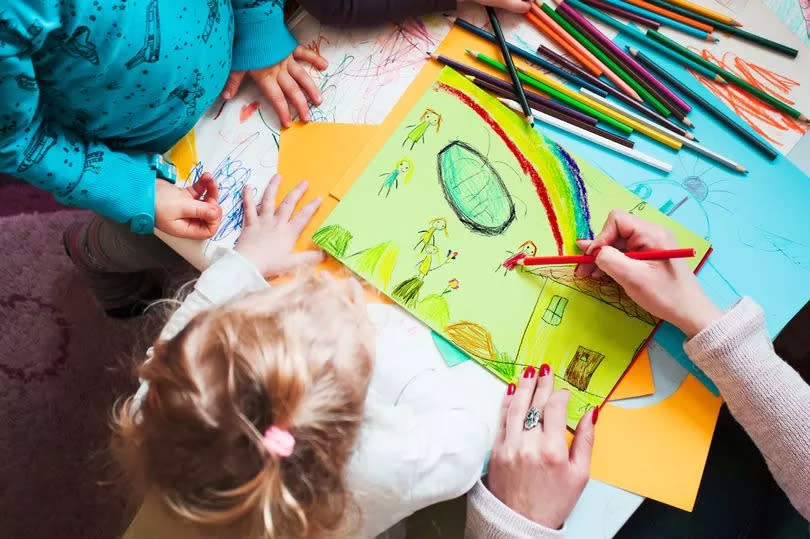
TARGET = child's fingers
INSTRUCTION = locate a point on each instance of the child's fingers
(197, 209)
(303, 258)
(301, 219)
(269, 196)
(285, 209)
(305, 82)
(249, 207)
(232, 84)
(194, 229)
(294, 95)
(272, 92)
(311, 57)
(201, 186)
(212, 192)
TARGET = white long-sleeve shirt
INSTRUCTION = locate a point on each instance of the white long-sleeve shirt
(424, 438)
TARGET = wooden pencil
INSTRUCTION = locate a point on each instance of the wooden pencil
(648, 93)
(573, 78)
(664, 12)
(641, 36)
(729, 122)
(553, 31)
(623, 13)
(729, 76)
(587, 135)
(495, 81)
(669, 98)
(635, 105)
(703, 11)
(510, 65)
(735, 31)
(659, 254)
(700, 34)
(688, 143)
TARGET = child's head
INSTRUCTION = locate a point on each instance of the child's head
(296, 358)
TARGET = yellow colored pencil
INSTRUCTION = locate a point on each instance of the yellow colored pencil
(706, 12)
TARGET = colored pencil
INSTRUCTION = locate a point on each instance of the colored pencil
(708, 107)
(669, 98)
(735, 31)
(639, 35)
(553, 31)
(700, 34)
(729, 76)
(623, 13)
(531, 57)
(688, 143)
(578, 100)
(510, 65)
(635, 105)
(664, 12)
(609, 144)
(616, 63)
(495, 81)
(704, 11)
(662, 254)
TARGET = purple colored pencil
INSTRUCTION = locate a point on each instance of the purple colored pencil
(629, 15)
(531, 96)
(626, 58)
(571, 66)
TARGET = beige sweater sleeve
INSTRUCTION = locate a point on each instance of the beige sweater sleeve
(764, 394)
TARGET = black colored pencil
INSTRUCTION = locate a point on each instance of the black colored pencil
(510, 65)
(729, 122)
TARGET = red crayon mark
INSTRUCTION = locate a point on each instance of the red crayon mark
(525, 165)
(222, 106)
(247, 111)
(757, 114)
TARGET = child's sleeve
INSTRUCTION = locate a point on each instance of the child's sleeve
(261, 39)
(365, 12)
(79, 172)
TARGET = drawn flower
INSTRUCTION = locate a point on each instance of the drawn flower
(451, 255)
(453, 283)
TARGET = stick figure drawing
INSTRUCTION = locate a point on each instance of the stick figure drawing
(428, 237)
(402, 170)
(429, 118)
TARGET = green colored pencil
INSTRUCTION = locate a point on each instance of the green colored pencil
(531, 81)
(596, 51)
(729, 29)
(729, 76)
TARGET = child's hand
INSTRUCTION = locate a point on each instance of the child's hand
(269, 233)
(283, 83)
(667, 289)
(518, 6)
(192, 212)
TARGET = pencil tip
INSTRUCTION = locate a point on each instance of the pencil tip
(736, 23)
(688, 122)
(720, 80)
(530, 120)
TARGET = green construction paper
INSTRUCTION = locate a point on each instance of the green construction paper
(462, 184)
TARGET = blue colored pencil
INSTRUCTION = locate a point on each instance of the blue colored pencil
(666, 21)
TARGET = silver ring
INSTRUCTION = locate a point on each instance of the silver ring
(533, 418)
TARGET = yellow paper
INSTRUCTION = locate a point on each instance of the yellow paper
(457, 186)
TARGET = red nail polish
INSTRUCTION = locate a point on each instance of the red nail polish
(595, 415)
(528, 372)
(544, 370)
(510, 389)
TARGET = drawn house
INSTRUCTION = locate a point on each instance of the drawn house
(582, 366)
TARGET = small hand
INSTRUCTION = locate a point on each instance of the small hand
(192, 212)
(533, 471)
(518, 6)
(667, 289)
(283, 83)
(269, 233)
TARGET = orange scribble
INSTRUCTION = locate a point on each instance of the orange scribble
(247, 111)
(315, 44)
(757, 114)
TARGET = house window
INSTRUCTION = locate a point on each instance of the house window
(555, 310)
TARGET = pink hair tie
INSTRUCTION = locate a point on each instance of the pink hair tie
(278, 442)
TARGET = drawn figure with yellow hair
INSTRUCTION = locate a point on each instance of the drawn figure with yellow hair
(428, 237)
(403, 169)
(407, 292)
(527, 248)
(429, 118)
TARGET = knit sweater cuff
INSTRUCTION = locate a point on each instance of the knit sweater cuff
(260, 40)
(130, 197)
(488, 517)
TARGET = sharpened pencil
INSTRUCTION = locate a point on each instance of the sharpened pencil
(675, 25)
(510, 65)
(661, 254)
(704, 11)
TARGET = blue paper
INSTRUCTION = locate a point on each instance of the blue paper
(758, 223)
(451, 354)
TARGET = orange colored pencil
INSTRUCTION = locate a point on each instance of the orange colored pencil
(672, 15)
(558, 38)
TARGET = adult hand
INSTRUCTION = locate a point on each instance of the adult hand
(192, 212)
(286, 83)
(518, 6)
(269, 233)
(667, 289)
(533, 471)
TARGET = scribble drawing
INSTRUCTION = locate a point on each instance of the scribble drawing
(760, 116)
(42, 142)
(555, 310)
(213, 17)
(430, 118)
(403, 169)
(757, 237)
(333, 239)
(582, 366)
(805, 6)
(476, 340)
(428, 237)
(150, 52)
(408, 290)
(435, 308)
(604, 289)
(527, 248)
(474, 189)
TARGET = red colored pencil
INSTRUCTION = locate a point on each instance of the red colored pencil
(664, 254)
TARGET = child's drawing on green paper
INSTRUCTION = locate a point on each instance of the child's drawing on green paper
(428, 237)
(430, 118)
(333, 239)
(402, 170)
